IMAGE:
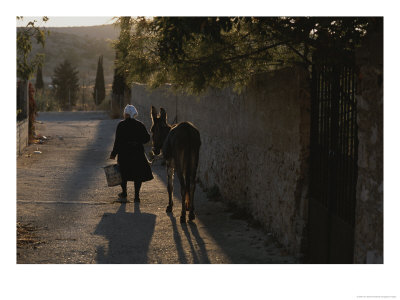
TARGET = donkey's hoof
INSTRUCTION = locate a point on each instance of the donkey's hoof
(169, 209)
(183, 219)
(192, 216)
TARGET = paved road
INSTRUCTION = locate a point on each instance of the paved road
(63, 194)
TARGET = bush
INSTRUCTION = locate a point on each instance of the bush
(45, 101)
(32, 111)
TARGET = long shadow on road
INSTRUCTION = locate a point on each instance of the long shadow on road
(84, 177)
(92, 142)
(191, 233)
(129, 236)
(201, 255)
(178, 240)
(189, 230)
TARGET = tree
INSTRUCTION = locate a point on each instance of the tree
(39, 78)
(66, 84)
(99, 92)
(120, 87)
(26, 66)
(121, 46)
(194, 53)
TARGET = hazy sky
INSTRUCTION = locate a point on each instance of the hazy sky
(68, 21)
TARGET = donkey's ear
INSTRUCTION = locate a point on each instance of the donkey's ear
(154, 113)
(163, 115)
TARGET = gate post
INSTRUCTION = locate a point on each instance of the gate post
(369, 209)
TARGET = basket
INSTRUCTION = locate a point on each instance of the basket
(113, 175)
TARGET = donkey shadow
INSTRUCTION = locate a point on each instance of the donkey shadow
(196, 243)
(199, 253)
(129, 236)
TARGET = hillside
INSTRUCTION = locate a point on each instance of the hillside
(96, 32)
(82, 46)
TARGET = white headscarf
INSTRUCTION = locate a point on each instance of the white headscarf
(130, 110)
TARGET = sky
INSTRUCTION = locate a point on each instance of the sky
(67, 21)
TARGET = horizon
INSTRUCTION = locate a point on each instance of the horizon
(55, 21)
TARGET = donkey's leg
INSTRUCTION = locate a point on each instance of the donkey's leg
(194, 164)
(170, 172)
(192, 216)
(183, 194)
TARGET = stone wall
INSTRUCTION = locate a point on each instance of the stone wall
(22, 135)
(369, 209)
(255, 145)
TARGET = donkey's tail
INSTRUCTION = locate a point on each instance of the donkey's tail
(187, 201)
(191, 158)
(190, 174)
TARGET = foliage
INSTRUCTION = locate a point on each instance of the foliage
(39, 85)
(45, 101)
(32, 111)
(194, 53)
(66, 84)
(26, 65)
(99, 92)
(21, 100)
(121, 47)
(118, 85)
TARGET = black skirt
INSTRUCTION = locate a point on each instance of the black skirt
(134, 166)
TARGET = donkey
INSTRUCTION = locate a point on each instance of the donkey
(180, 145)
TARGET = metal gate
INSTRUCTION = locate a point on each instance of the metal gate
(333, 159)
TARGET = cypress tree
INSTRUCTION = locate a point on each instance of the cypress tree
(99, 92)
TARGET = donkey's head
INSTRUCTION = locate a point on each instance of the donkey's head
(159, 128)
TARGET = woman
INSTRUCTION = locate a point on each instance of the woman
(129, 139)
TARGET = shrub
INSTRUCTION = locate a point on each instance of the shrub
(32, 111)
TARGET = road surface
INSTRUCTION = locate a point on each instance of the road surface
(73, 217)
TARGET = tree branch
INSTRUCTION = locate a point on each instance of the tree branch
(200, 61)
(298, 53)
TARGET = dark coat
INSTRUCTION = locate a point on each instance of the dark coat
(129, 139)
